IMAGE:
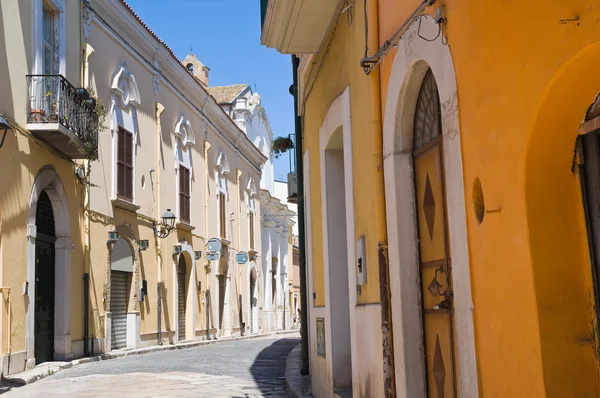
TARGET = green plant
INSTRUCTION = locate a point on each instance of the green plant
(100, 109)
(281, 145)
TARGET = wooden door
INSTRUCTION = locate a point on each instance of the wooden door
(44, 281)
(181, 298)
(434, 255)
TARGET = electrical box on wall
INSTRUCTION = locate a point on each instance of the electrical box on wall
(361, 261)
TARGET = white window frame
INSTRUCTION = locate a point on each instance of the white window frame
(125, 100)
(251, 192)
(222, 189)
(58, 6)
(184, 140)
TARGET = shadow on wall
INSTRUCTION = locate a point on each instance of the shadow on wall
(268, 369)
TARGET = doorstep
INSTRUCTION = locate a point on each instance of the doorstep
(49, 368)
(297, 385)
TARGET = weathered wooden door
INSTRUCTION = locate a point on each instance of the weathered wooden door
(181, 297)
(44, 280)
(434, 255)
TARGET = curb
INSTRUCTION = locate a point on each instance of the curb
(35, 374)
(297, 385)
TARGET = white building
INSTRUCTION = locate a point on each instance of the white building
(245, 109)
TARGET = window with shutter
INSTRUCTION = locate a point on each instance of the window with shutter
(125, 164)
(251, 222)
(184, 194)
(222, 216)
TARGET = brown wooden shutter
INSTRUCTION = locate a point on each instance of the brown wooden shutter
(223, 216)
(184, 194)
(251, 222)
(124, 164)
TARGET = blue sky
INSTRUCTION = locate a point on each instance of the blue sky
(225, 35)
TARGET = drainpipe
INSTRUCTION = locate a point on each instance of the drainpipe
(372, 41)
(301, 234)
(207, 284)
(157, 211)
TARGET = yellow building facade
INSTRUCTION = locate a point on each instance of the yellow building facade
(481, 118)
(43, 140)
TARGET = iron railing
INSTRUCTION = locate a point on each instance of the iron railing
(52, 99)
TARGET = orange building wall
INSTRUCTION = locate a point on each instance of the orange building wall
(525, 80)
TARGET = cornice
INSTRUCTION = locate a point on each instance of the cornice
(158, 58)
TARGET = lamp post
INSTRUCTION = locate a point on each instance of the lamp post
(164, 228)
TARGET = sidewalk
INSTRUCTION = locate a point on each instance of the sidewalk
(46, 369)
(299, 386)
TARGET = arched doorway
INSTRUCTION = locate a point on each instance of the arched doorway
(48, 269)
(44, 280)
(336, 231)
(120, 287)
(253, 300)
(434, 254)
(181, 298)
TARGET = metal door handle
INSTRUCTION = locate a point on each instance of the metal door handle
(442, 304)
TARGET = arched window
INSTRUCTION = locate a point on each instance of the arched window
(251, 190)
(185, 139)
(428, 121)
(124, 125)
(221, 180)
(190, 67)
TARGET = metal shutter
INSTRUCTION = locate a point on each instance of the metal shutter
(119, 293)
(181, 300)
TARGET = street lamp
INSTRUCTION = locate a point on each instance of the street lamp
(163, 229)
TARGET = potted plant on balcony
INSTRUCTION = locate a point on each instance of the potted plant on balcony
(50, 99)
(281, 145)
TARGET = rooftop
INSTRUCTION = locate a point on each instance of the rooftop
(226, 94)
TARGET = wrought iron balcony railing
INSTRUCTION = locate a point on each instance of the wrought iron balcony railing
(55, 101)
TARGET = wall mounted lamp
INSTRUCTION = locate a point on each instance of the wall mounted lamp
(164, 228)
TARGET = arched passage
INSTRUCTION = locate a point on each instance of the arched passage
(48, 187)
(414, 58)
(253, 299)
(557, 229)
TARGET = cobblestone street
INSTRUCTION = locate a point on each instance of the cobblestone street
(246, 368)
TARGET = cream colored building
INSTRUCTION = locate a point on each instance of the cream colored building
(244, 107)
(46, 129)
(167, 145)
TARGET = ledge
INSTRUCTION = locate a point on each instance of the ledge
(184, 226)
(125, 205)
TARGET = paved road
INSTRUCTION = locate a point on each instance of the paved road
(245, 368)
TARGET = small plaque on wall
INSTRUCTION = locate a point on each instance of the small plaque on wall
(321, 337)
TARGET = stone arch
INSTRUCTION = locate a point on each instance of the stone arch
(253, 294)
(187, 252)
(413, 58)
(133, 304)
(556, 224)
(335, 149)
(49, 181)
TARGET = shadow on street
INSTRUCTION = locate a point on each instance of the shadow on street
(268, 368)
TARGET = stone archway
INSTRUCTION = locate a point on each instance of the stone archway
(48, 181)
(413, 58)
(189, 291)
(559, 247)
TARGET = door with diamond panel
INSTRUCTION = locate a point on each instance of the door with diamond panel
(434, 256)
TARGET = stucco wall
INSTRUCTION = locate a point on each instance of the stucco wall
(520, 106)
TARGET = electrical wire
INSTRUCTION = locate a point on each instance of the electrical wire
(369, 63)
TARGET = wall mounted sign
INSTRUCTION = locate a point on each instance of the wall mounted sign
(321, 337)
(241, 258)
(212, 256)
(213, 245)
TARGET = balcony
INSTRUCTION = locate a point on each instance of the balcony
(62, 116)
(296, 26)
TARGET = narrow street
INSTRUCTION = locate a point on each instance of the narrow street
(246, 368)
